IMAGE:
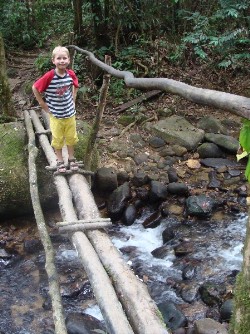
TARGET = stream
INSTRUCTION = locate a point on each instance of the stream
(24, 302)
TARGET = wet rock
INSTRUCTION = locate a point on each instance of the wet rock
(106, 179)
(129, 215)
(142, 194)
(227, 143)
(226, 310)
(210, 150)
(122, 177)
(32, 246)
(212, 293)
(212, 125)
(172, 175)
(234, 172)
(156, 142)
(158, 191)
(173, 317)
(213, 181)
(167, 151)
(213, 313)
(141, 158)
(184, 248)
(168, 234)
(140, 179)
(162, 252)
(80, 323)
(180, 189)
(218, 163)
(189, 293)
(188, 272)
(179, 150)
(71, 289)
(209, 326)
(177, 130)
(153, 220)
(200, 206)
(117, 201)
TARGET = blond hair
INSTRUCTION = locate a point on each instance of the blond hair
(58, 49)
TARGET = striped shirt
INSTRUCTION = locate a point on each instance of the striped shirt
(58, 92)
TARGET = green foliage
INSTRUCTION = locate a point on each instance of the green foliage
(29, 24)
(222, 35)
(43, 63)
(244, 139)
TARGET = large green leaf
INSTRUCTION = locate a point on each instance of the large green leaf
(244, 137)
(247, 171)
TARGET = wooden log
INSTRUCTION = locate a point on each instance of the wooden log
(110, 306)
(84, 221)
(143, 97)
(79, 171)
(83, 227)
(140, 308)
(54, 288)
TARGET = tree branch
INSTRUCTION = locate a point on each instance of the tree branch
(236, 104)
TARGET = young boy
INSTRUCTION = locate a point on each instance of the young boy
(60, 87)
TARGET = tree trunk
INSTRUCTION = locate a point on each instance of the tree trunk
(100, 25)
(79, 34)
(6, 105)
(236, 104)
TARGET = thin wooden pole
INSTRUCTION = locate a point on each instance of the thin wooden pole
(54, 288)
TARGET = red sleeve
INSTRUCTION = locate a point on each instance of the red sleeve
(74, 78)
(42, 84)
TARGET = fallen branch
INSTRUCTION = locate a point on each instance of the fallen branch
(139, 99)
(54, 289)
(127, 128)
(236, 104)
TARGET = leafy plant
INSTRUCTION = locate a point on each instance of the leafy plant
(244, 139)
(221, 35)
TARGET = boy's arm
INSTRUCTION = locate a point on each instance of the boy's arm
(74, 93)
(40, 99)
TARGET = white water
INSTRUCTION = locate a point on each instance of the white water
(221, 252)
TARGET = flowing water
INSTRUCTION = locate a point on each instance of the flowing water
(24, 301)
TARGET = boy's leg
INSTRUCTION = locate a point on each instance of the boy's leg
(73, 164)
(56, 126)
(71, 139)
(71, 151)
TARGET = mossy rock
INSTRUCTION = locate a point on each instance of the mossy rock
(125, 120)
(14, 174)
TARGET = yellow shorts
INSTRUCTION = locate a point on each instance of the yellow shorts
(63, 131)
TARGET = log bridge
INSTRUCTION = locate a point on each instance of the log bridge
(124, 301)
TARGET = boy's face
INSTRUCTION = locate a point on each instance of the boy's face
(61, 60)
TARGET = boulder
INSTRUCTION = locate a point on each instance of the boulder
(14, 173)
(177, 130)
